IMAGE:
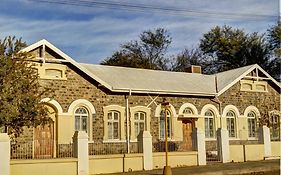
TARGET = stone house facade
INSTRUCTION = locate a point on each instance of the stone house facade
(113, 104)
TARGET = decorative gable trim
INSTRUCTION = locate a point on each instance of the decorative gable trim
(255, 66)
(67, 58)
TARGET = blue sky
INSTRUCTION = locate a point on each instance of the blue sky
(90, 34)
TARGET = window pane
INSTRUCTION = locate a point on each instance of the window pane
(187, 111)
(162, 128)
(77, 123)
(84, 123)
(136, 116)
(109, 116)
(115, 130)
(141, 116)
(110, 130)
(136, 129)
(116, 116)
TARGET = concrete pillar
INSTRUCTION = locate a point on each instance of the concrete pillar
(264, 138)
(147, 150)
(198, 144)
(223, 145)
(80, 150)
(4, 154)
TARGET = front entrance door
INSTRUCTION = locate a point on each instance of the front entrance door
(44, 141)
(187, 126)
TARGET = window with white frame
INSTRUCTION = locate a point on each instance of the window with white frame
(113, 118)
(275, 127)
(187, 111)
(252, 124)
(162, 124)
(209, 124)
(81, 119)
(140, 122)
(231, 123)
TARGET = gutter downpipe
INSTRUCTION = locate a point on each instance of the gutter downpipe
(127, 121)
(217, 100)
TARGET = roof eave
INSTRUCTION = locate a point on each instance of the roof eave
(142, 91)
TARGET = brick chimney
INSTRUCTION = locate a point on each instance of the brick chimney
(194, 69)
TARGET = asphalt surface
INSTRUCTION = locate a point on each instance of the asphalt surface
(265, 167)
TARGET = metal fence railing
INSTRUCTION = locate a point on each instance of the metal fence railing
(107, 148)
(40, 150)
(161, 146)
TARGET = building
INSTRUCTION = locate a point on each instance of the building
(114, 104)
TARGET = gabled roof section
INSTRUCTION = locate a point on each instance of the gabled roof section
(66, 57)
(154, 81)
(121, 79)
(228, 78)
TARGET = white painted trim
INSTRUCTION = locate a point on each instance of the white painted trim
(121, 110)
(114, 141)
(172, 110)
(255, 66)
(81, 102)
(212, 108)
(188, 105)
(252, 108)
(66, 57)
(135, 109)
(90, 108)
(236, 113)
(54, 103)
(230, 108)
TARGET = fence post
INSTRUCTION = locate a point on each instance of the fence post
(80, 150)
(198, 144)
(264, 138)
(223, 145)
(146, 142)
(4, 154)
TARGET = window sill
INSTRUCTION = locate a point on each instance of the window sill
(210, 139)
(252, 138)
(169, 140)
(234, 138)
(114, 141)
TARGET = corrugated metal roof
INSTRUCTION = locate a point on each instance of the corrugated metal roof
(227, 77)
(147, 81)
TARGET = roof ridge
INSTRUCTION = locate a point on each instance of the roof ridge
(251, 65)
(143, 69)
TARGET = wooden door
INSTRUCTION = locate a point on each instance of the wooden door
(187, 135)
(44, 141)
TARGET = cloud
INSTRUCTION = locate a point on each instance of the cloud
(92, 34)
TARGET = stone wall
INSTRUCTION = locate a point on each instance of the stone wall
(80, 86)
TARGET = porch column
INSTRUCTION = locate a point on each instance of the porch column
(198, 144)
(80, 150)
(223, 145)
(4, 154)
(264, 138)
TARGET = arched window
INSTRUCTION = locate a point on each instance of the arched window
(275, 127)
(140, 122)
(162, 124)
(81, 119)
(231, 123)
(113, 118)
(209, 124)
(187, 111)
(252, 124)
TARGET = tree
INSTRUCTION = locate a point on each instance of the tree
(274, 38)
(187, 58)
(227, 48)
(149, 52)
(20, 92)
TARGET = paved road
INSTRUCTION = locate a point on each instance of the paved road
(266, 167)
